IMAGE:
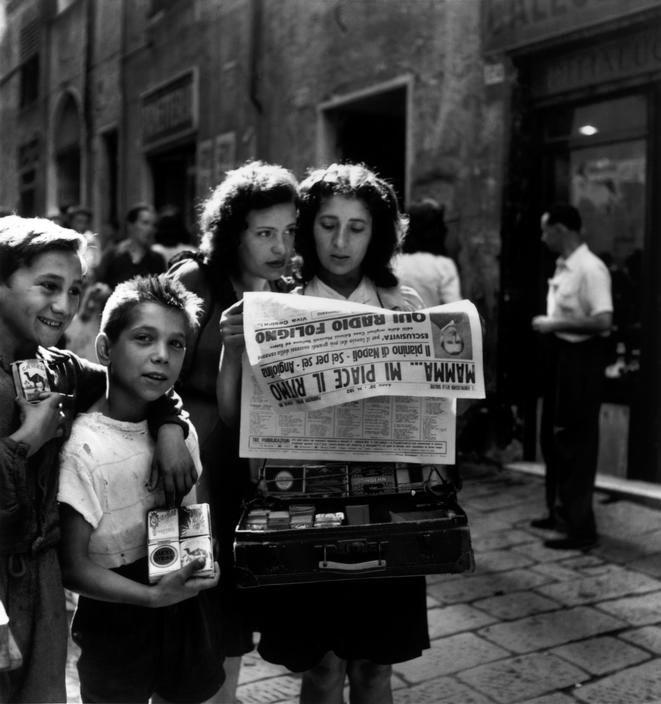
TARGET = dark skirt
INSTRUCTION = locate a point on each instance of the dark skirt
(381, 620)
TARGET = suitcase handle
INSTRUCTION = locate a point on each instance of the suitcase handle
(367, 566)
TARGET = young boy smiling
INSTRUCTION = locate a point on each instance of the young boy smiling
(134, 642)
(41, 276)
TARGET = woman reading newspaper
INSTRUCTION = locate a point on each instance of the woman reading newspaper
(348, 228)
(248, 224)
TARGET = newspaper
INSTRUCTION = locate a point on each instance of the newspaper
(334, 380)
(384, 428)
(320, 352)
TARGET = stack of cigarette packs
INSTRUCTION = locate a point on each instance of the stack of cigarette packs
(176, 537)
(301, 516)
(295, 516)
(328, 520)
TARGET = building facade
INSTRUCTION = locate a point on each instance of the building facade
(477, 104)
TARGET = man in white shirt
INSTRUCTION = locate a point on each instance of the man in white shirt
(579, 317)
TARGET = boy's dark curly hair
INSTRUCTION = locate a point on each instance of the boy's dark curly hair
(224, 214)
(351, 181)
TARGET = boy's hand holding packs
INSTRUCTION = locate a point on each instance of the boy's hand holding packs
(176, 537)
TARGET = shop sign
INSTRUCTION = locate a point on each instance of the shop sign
(621, 58)
(170, 110)
(509, 24)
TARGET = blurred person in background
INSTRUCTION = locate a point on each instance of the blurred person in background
(423, 264)
(172, 235)
(79, 219)
(81, 334)
(134, 255)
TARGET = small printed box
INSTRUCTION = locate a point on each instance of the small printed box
(30, 378)
(372, 479)
(194, 548)
(194, 520)
(284, 479)
(327, 479)
(163, 558)
(162, 524)
(177, 536)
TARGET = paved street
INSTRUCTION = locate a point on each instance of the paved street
(530, 624)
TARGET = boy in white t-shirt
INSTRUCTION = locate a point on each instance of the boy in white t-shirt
(136, 640)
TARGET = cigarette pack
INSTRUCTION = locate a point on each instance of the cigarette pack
(30, 378)
(194, 548)
(177, 536)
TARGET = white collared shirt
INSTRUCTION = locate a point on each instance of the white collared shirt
(365, 292)
(581, 286)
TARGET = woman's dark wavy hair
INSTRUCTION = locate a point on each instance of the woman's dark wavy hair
(351, 181)
(224, 214)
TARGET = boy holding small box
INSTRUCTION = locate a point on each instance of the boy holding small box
(41, 388)
(137, 640)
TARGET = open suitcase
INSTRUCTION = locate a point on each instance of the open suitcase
(339, 521)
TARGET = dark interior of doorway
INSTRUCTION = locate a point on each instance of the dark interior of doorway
(173, 174)
(372, 130)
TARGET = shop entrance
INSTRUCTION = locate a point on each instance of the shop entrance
(595, 157)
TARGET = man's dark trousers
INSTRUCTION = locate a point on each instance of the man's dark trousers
(569, 433)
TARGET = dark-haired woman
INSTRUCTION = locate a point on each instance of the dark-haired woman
(248, 226)
(348, 228)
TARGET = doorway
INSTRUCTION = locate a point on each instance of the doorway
(370, 127)
(173, 175)
(595, 157)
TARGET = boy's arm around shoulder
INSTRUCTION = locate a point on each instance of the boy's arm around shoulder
(84, 576)
(168, 424)
(89, 385)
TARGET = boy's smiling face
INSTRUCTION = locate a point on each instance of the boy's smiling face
(37, 302)
(146, 359)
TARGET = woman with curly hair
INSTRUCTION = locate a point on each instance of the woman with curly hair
(349, 225)
(248, 224)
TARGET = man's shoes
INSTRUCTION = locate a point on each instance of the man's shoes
(569, 543)
(548, 523)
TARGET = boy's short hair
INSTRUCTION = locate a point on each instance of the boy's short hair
(23, 239)
(147, 289)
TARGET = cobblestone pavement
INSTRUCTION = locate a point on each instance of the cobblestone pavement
(530, 624)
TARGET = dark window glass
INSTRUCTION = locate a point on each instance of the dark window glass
(29, 81)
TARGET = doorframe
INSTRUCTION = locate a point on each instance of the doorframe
(325, 147)
(645, 415)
